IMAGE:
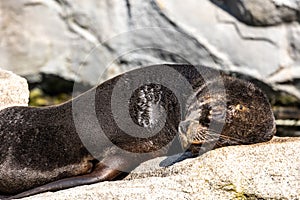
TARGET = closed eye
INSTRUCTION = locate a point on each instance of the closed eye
(241, 108)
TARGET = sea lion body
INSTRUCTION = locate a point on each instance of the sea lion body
(43, 145)
(36, 150)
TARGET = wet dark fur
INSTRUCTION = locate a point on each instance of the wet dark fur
(38, 141)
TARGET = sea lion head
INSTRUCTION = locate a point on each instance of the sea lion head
(228, 111)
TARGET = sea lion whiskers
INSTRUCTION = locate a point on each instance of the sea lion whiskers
(213, 135)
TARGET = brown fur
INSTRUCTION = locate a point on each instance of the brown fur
(41, 145)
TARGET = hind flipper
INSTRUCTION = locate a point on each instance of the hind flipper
(102, 172)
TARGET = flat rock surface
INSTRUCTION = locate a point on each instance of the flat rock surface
(261, 171)
(13, 90)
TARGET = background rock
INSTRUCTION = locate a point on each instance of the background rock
(262, 12)
(262, 171)
(92, 40)
(13, 90)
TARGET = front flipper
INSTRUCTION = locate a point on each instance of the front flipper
(171, 160)
(102, 172)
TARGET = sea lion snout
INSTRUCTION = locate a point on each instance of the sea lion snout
(188, 131)
(185, 130)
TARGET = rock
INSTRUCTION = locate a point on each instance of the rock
(262, 12)
(93, 40)
(13, 90)
(264, 53)
(261, 171)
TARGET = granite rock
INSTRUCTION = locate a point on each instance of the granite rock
(262, 171)
(13, 90)
(262, 12)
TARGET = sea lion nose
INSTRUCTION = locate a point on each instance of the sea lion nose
(183, 126)
(187, 131)
(188, 127)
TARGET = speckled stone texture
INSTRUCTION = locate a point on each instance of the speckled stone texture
(13, 90)
(262, 171)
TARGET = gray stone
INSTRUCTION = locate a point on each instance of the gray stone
(93, 40)
(269, 54)
(13, 90)
(262, 12)
(261, 171)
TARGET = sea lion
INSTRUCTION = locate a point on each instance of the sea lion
(56, 147)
